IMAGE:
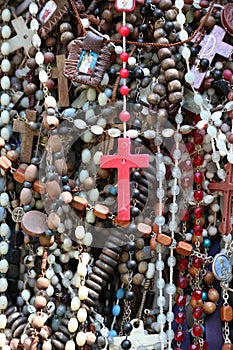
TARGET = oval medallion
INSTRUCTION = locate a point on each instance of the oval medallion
(222, 267)
(226, 18)
(34, 223)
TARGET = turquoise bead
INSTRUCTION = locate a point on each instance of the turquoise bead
(113, 190)
(204, 295)
(206, 242)
(113, 333)
(116, 310)
(120, 293)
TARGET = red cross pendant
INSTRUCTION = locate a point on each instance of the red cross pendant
(124, 161)
(125, 5)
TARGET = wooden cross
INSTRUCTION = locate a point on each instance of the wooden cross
(137, 338)
(62, 81)
(51, 12)
(212, 44)
(124, 161)
(27, 137)
(227, 189)
(23, 37)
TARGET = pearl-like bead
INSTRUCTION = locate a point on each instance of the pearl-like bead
(73, 325)
(75, 304)
(6, 15)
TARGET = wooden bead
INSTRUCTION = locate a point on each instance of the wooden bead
(209, 307)
(171, 74)
(38, 322)
(142, 267)
(25, 196)
(196, 303)
(164, 239)
(226, 313)
(208, 278)
(5, 163)
(40, 302)
(53, 189)
(159, 89)
(144, 229)
(168, 63)
(31, 173)
(193, 271)
(213, 295)
(174, 85)
(79, 203)
(227, 346)
(101, 211)
(46, 241)
(175, 97)
(42, 283)
(197, 239)
(184, 248)
(138, 279)
(19, 175)
(163, 53)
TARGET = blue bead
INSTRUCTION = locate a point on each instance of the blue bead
(112, 333)
(204, 295)
(116, 310)
(69, 112)
(113, 190)
(108, 92)
(120, 293)
(206, 243)
(2, 214)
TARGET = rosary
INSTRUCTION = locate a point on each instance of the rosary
(116, 175)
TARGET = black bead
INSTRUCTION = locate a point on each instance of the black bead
(131, 265)
(66, 188)
(27, 184)
(137, 123)
(96, 12)
(134, 211)
(194, 51)
(144, 11)
(138, 72)
(158, 14)
(143, 27)
(136, 176)
(50, 176)
(127, 328)
(129, 295)
(126, 344)
(204, 63)
(217, 74)
(137, 107)
(65, 179)
(35, 160)
(58, 155)
(148, 3)
(49, 233)
(131, 247)
(27, 208)
(169, 26)
(111, 71)
(50, 168)
(132, 228)
(106, 310)
(140, 40)
(135, 193)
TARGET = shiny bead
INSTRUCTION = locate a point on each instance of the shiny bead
(124, 31)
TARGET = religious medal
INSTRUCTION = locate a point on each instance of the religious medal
(125, 5)
(222, 268)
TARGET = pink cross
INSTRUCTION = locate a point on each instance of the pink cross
(211, 44)
(124, 161)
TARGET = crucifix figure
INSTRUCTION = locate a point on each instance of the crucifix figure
(137, 338)
(211, 45)
(62, 82)
(227, 189)
(28, 135)
(23, 37)
(124, 161)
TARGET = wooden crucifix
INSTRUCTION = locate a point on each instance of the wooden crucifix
(51, 12)
(211, 45)
(62, 81)
(227, 189)
(27, 137)
(124, 161)
(23, 37)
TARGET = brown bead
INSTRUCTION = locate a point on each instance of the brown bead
(66, 197)
(226, 313)
(184, 248)
(197, 239)
(13, 156)
(124, 257)
(42, 283)
(46, 241)
(122, 268)
(159, 89)
(39, 187)
(89, 183)
(101, 211)
(230, 115)
(158, 33)
(154, 99)
(5, 163)
(213, 295)
(140, 243)
(170, 14)
(38, 322)
(140, 255)
(25, 196)
(164, 239)
(107, 15)
(50, 83)
(163, 53)
(204, 3)
(153, 243)
(144, 229)
(31, 63)
(53, 221)
(55, 143)
(230, 138)
(79, 203)
(50, 41)
(165, 4)
(210, 22)
(30, 89)
(138, 279)
(66, 37)
(50, 122)
(208, 278)
(162, 80)
(209, 307)
(171, 74)
(142, 266)
(193, 271)
(196, 303)
(40, 302)
(53, 189)
(168, 63)
(174, 85)
(227, 346)
(61, 166)
(64, 27)
(31, 173)
(175, 97)
(103, 173)
(32, 51)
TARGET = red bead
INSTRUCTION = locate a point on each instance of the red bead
(198, 212)
(124, 73)
(180, 317)
(227, 74)
(198, 139)
(183, 264)
(197, 330)
(182, 282)
(124, 90)
(179, 335)
(181, 300)
(197, 312)
(124, 116)
(186, 182)
(124, 31)
(198, 159)
(124, 57)
(190, 147)
(198, 195)
(184, 215)
(198, 177)
(187, 165)
(197, 294)
(205, 345)
(198, 229)
(194, 347)
(196, 118)
(197, 262)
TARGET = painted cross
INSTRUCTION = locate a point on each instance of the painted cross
(137, 338)
(51, 12)
(124, 161)
(125, 5)
(211, 45)
(23, 37)
(62, 81)
(227, 189)
(28, 135)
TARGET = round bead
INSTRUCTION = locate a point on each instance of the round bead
(124, 57)
(124, 31)
(124, 90)
(116, 310)
(124, 116)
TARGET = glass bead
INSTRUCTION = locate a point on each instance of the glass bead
(160, 220)
(4, 266)
(171, 261)
(179, 335)
(43, 76)
(161, 319)
(39, 58)
(6, 15)
(205, 115)
(175, 190)
(179, 118)
(160, 193)
(160, 265)
(181, 20)
(5, 99)
(120, 293)
(34, 25)
(163, 337)
(5, 65)
(161, 301)
(198, 99)
(173, 208)
(183, 35)
(170, 316)
(170, 289)
(6, 32)
(36, 41)
(179, 4)
(170, 335)
(94, 195)
(160, 283)
(33, 8)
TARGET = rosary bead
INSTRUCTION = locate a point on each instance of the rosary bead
(126, 344)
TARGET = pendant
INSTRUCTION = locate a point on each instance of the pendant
(222, 268)
(125, 5)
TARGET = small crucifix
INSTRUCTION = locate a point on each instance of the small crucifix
(51, 12)
(28, 135)
(124, 161)
(62, 81)
(23, 37)
(227, 189)
(137, 338)
(211, 45)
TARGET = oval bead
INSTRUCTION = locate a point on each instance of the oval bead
(70, 345)
(73, 325)
(82, 314)
(75, 304)
(81, 338)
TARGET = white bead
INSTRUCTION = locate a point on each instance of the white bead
(102, 122)
(6, 15)
(82, 315)
(171, 261)
(227, 238)
(105, 80)
(218, 65)
(170, 335)
(215, 207)
(188, 236)
(3, 284)
(90, 217)
(118, 50)
(146, 72)
(76, 281)
(2, 339)
(33, 8)
(162, 337)
(212, 131)
(87, 136)
(170, 289)
(212, 231)
(73, 325)
(86, 156)
(5, 48)
(150, 271)
(49, 273)
(82, 269)
(104, 332)
(34, 25)
(5, 65)
(54, 280)
(160, 265)
(170, 316)
(160, 283)
(161, 301)
(91, 94)
(67, 243)
(85, 258)
(4, 248)
(161, 319)
(81, 338)
(102, 99)
(50, 290)
(3, 302)
(179, 4)
(75, 304)
(97, 157)
(97, 130)
(43, 76)
(5, 99)
(84, 174)
(26, 294)
(88, 239)
(230, 158)
(39, 58)
(85, 22)
(51, 307)
(70, 345)
(4, 266)
(198, 99)
(64, 258)
(79, 232)
(181, 20)
(132, 61)
(4, 230)
(183, 35)
(5, 83)
(6, 32)
(94, 195)
(3, 321)
(68, 223)
(83, 293)
(36, 41)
